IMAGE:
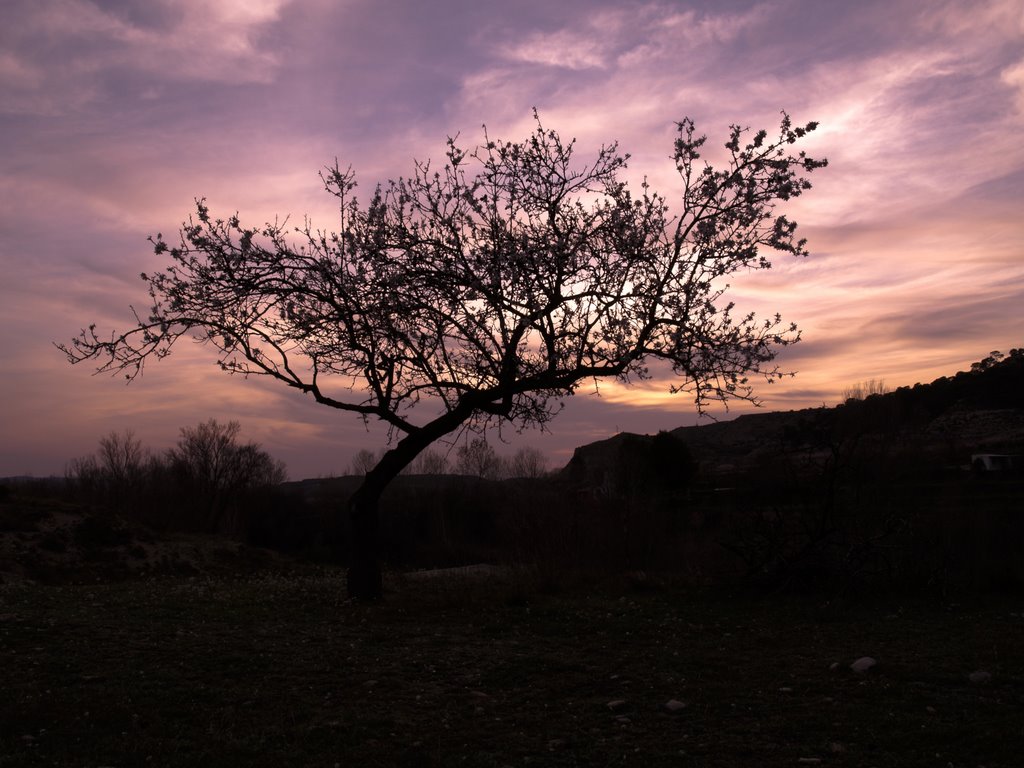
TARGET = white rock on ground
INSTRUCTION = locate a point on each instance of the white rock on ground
(863, 664)
(979, 676)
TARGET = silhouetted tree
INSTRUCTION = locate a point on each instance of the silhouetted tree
(429, 463)
(363, 461)
(478, 458)
(489, 286)
(993, 359)
(862, 390)
(217, 469)
(528, 462)
(116, 472)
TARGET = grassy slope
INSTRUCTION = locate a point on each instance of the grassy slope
(278, 670)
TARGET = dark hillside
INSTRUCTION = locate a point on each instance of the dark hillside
(976, 411)
(890, 489)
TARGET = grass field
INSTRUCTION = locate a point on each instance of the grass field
(273, 670)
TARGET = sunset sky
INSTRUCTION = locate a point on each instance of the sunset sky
(116, 114)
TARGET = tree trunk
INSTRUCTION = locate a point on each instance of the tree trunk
(364, 575)
(364, 572)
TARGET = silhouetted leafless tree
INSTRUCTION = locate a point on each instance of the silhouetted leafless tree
(478, 458)
(489, 286)
(116, 472)
(528, 462)
(364, 461)
(862, 390)
(209, 459)
(429, 462)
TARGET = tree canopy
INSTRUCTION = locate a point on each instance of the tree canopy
(488, 286)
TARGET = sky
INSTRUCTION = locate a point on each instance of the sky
(116, 114)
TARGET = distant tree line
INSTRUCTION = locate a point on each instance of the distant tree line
(994, 382)
(204, 483)
(864, 389)
(476, 457)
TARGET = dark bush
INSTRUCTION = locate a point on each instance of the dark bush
(54, 541)
(94, 532)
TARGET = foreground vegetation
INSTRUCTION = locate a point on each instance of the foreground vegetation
(275, 669)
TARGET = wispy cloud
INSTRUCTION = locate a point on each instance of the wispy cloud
(563, 49)
(63, 54)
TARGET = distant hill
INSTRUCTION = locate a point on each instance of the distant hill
(953, 417)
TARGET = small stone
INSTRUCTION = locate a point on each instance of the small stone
(833, 667)
(979, 676)
(674, 705)
(863, 664)
(616, 704)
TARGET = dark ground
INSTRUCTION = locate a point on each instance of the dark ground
(277, 669)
